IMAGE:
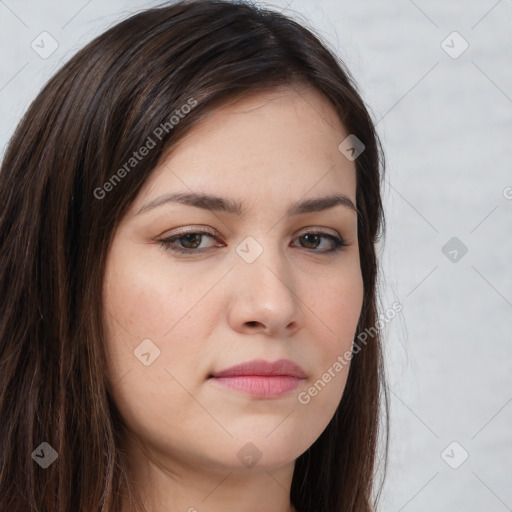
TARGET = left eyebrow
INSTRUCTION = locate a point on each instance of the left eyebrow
(216, 203)
(318, 204)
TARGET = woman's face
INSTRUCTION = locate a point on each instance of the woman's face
(248, 286)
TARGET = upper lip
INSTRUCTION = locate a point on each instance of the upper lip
(283, 367)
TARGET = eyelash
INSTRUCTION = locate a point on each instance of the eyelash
(166, 243)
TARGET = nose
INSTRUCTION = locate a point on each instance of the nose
(263, 297)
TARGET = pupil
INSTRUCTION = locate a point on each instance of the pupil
(312, 236)
(190, 238)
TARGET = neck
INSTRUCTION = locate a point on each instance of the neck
(171, 485)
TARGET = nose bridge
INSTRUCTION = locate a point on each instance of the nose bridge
(263, 261)
(265, 287)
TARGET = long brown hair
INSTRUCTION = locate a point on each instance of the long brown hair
(56, 226)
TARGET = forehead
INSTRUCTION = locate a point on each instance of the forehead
(260, 117)
(276, 143)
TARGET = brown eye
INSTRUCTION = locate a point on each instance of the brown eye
(313, 240)
(191, 240)
(186, 243)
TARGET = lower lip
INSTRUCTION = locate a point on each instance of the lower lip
(259, 385)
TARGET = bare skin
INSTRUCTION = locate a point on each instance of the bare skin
(211, 309)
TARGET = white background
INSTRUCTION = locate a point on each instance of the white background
(446, 124)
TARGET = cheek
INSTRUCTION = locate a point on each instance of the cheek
(150, 308)
(137, 294)
(145, 295)
(146, 298)
(335, 314)
(337, 308)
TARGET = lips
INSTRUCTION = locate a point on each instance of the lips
(261, 379)
(260, 367)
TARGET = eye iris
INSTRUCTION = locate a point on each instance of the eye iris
(308, 236)
(190, 238)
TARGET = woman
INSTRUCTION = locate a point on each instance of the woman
(189, 215)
